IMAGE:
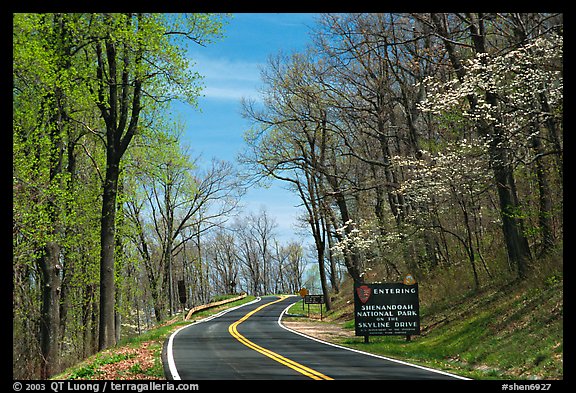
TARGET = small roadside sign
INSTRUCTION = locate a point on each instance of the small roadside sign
(303, 292)
(314, 299)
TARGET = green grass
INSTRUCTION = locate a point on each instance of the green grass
(511, 332)
(91, 369)
(309, 309)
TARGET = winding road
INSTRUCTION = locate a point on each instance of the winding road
(250, 342)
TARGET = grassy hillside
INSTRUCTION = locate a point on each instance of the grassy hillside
(513, 331)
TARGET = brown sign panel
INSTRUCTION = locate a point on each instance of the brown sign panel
(386, 309)
(314, 299)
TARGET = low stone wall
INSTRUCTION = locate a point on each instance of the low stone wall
(210, 305)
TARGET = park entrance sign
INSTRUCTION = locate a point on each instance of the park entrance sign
(386, 309)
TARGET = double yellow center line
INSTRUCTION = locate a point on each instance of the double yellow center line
(233, 329)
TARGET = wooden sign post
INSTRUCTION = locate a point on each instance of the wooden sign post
(314, 299)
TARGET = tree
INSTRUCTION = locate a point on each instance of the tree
(294, 267)
(44, 160)
(222, 253)
(293, 143)
(137, 57)
(497, 90)
(178, 202)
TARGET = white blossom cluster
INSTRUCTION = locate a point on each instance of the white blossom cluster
(460, 168)
(356, 237)
(508, 91)
(363, 237)
(515, 79)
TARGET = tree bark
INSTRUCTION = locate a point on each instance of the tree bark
(544, 198)
(106, 333)
(50, 315)
(512, 224)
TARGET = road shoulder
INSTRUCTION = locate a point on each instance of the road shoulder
(331, 332)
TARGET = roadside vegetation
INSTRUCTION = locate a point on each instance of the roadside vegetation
(508, 331)
(138, 356)
(428, 144)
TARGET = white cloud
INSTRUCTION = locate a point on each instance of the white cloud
(223, 69)
(228, 79)
(229, 93)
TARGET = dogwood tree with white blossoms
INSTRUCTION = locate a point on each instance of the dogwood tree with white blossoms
(511, 103)
(497, 106)
(460, 169)
(365, 239)
(518, 79)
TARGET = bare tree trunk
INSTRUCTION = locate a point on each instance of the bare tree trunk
(88, 322)
(544, 198)
(333, 268)
(106, 332)
(50, 313)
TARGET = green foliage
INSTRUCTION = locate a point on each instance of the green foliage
(59, 160)
(553, 280)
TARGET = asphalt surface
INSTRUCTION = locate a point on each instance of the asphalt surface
(249, 343)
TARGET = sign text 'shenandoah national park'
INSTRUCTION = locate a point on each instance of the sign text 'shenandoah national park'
(386, 309)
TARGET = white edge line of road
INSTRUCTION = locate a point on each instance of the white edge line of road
(169, 354)
(362, 352)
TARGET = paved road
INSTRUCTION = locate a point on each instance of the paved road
(249, 342)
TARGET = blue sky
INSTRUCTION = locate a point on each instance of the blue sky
(231, 70)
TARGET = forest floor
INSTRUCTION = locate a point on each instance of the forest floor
(137, 359)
